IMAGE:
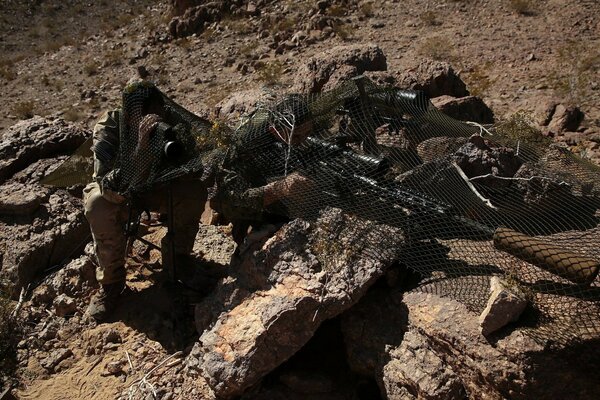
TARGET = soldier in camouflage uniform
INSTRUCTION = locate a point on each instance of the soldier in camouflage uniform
(107, 211)
(250, 187)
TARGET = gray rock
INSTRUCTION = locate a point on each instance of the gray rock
(505, 305)
(469, 108)
(279, 294)
(64, 305)
(36, 138)
(326, 70)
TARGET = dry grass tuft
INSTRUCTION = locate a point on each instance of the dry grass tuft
(24, 109)
(438, 48)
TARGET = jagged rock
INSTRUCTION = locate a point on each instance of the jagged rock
(196, 19)
(30, 140)
(74, 278)
(544, 111)
(43, 239)
(214, 246)
(469, 108)
(326, 70)
(64, 305)
(415, 368)
(55, 358)
(432, 347)
(435, 78)
(565, 118)
(505, 305)
(479, 157)
(277, 297)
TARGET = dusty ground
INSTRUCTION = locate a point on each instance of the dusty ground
(73, 57)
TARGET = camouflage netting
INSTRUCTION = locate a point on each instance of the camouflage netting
(472, 202)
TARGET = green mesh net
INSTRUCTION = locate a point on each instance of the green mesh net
(471, 202)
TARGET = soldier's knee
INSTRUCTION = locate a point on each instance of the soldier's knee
(94, 205)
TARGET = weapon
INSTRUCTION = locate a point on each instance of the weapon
(359, 182)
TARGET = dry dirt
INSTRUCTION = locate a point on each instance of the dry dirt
(73, 57)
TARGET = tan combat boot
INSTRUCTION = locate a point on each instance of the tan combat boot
(105, 301)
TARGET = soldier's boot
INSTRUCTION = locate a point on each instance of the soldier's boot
(105, 301)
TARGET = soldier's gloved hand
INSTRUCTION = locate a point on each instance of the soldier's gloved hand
(147, 126)
(291, 186)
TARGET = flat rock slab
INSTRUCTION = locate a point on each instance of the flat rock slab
(279, 295)
(19, 199)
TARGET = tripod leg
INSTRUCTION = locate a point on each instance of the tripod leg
(171, 234)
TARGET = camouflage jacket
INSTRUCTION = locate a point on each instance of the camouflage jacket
(241, 179)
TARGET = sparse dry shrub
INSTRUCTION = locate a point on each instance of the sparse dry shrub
(430, 18)
(73, 115)
(478, 80)
(7, 70)
(343, 31)
(523, 7)
(270, 73)
(114, 57)
(336, 10)
(437, 48)
(579, 66)
(366, 9)
(238, 24)
(90, 68)
(519, 127)
(24, 109)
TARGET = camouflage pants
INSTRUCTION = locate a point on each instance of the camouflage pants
(107, 217)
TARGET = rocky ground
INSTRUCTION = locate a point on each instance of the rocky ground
(278, 325)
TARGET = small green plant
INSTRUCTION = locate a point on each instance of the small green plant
(437, 48)
(24, 109)
(523, 7)
(270, 73)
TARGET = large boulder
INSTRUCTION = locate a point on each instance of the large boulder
(431, 347)
(326, 70)
(435, 78)
(39, 226)
(278, 295)
(34, 139)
